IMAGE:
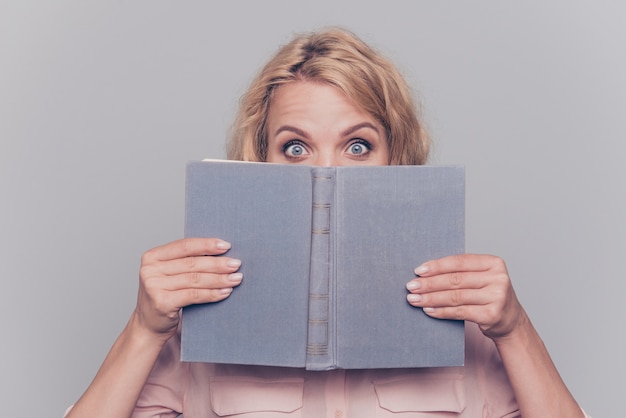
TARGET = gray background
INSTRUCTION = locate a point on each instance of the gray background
(102, 103)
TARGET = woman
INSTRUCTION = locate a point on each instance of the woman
(327, 99)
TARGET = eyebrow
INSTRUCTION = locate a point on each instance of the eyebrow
(293, 129)
(346, 132)
(358, 126)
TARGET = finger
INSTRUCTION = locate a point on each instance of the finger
(186, 297)
(198, 264)
(447, 281)
(187, 247)
(459, 263)
(450, 298)
(485, 316)
(459, 313)
(202, 281)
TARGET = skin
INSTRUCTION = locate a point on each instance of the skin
(316, 124)
(477, 288)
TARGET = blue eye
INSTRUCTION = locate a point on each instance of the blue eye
(294, 149)
(359, 148)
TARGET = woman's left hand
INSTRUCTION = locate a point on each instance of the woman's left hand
(470, 287)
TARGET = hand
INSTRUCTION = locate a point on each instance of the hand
(182, 273)
(470, 287)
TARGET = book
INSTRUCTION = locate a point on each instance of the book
(326, 253)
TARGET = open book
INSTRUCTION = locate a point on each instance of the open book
(326, 253)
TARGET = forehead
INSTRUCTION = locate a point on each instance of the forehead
(309, 98)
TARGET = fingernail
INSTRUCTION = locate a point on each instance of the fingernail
(429, 310)
(413, 285)
(226, 291)
(235, 277)
(414, 298)
(233, 262)
(421, 269)
(223, 245)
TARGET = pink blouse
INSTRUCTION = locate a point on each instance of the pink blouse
(478, 389)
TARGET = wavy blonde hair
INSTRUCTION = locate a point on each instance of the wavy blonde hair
(337, 57)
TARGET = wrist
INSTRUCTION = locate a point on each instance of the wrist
(137, 331)
(520, 334)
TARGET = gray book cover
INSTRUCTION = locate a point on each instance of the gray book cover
(326, 254)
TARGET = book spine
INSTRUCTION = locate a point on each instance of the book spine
(321, 327)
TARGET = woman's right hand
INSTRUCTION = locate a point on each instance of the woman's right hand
(181, 273)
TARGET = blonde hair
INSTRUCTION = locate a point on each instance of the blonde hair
(337, 57)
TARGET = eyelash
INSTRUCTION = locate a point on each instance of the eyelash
(363, 142)
(360, 141)
(290, 143)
